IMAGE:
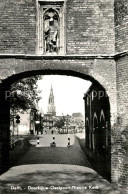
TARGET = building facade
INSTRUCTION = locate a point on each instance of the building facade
(48, 121)
(45, 37)
(97, 120)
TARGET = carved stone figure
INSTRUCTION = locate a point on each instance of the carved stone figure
(51, 31)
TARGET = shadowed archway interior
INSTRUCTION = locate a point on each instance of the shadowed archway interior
(91, 137)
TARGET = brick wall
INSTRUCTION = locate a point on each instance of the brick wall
(122, 89)
(17, 26)
(119, 146)
(121, 137)
(121, 25)
(90, 26)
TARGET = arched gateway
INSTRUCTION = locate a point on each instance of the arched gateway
(88, 68)
(65, 37)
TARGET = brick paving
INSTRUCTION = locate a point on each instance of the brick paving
(52, 170)
(40, 154)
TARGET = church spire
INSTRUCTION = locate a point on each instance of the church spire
(51, 106)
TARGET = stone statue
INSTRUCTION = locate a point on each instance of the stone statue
(51, 32)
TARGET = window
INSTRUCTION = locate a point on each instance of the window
(88, 99)
(50, 27)
(92, 95)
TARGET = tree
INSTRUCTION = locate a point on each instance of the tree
(24, 94)
(60, 122)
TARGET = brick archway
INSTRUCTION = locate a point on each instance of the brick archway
(93, 68)
(88, 69)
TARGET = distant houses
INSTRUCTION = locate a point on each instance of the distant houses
(36, 122)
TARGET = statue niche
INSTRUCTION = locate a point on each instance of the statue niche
(51, 31)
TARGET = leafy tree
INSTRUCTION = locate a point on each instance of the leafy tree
(24, 94)
(60, 123)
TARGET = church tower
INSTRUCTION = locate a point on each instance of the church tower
(51, 106)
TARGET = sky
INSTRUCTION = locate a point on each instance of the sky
(68, 93)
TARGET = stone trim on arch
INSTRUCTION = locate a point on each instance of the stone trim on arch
(89, 68)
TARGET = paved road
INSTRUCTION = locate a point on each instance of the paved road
(61, 154)
(52, 170)
(54, 178)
